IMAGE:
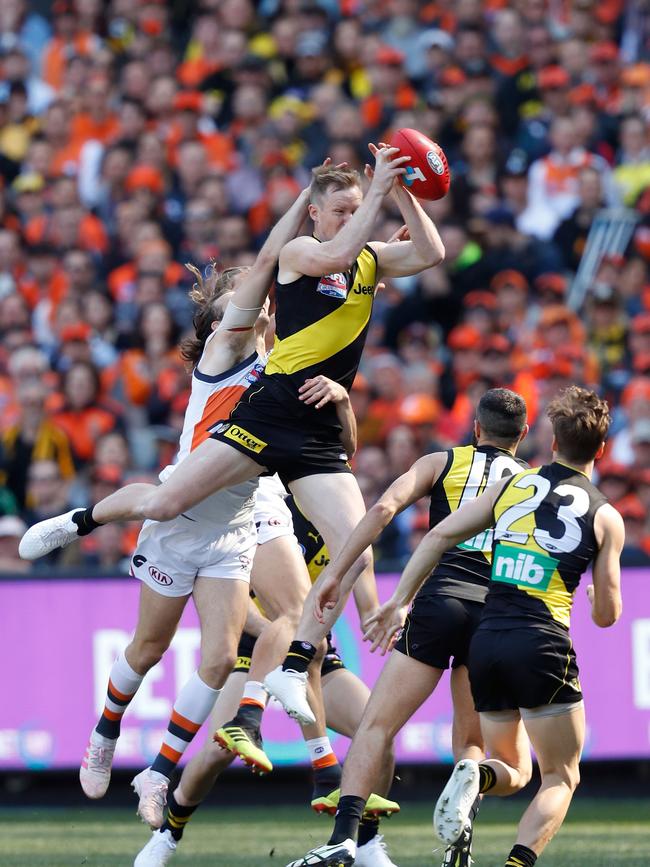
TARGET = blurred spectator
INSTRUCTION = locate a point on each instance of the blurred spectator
(33, 439)
(12, 529)
(132, 141)
(83, 414)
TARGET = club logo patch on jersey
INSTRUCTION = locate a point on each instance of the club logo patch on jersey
(334, 285)
(245, 562)
(522, 567)
(160, 577)
(244, 438)
(253, 376)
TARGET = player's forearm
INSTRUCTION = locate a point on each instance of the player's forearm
(365, 594)
(425, 558)
(423, 232)
(286, 228)
(348, 421)
(361, 538)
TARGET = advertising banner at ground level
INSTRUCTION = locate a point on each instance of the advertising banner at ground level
(58, 639)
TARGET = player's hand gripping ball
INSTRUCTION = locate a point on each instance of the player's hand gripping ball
(427, 175)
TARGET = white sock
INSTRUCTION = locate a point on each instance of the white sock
(254, 693)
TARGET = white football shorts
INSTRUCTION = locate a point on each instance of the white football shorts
(169, 556)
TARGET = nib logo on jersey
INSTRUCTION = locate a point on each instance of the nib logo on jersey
(334, 285)
(522, 567)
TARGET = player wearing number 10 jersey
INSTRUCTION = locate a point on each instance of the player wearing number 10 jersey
(549, 524)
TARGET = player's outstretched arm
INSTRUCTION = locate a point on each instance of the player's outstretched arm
(424, 249)
(605, 593)
(308, 256)
(250, 295)
(470, 519)
(409, 487)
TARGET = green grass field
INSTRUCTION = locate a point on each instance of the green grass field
(598, 833)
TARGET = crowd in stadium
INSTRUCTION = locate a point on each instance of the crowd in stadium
(139, 136)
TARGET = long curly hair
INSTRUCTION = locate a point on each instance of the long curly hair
(205, 292)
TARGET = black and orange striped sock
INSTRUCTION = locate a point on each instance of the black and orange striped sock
(177, 817)
(299, 656)
(190, 711)
(123, 683)
(521, 856)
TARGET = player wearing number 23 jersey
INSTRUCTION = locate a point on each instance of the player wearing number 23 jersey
(544, 541)
(550, 524)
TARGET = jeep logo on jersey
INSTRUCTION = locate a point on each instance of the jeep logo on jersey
(253, 375)
(522, 567)
(160, 577)
(364, 290)
(239, 435)
(436, 163)
(334, 285)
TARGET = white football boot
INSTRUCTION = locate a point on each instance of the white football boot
(158, 852)
(374, 853)
(290, 689)
(452, 812)
(151, 788)
(95, 770)
(48, 535)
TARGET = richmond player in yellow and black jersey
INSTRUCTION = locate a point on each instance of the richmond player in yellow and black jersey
(549, 524)
(446, 611)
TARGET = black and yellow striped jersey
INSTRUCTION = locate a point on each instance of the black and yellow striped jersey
(543, 543)
(310, 541)
(464, 571)
(321, 325)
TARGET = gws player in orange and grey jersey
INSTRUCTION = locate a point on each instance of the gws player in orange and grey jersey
(321, 326)
(345, 696)
(207, 551)
(550, 524)
(442, 620)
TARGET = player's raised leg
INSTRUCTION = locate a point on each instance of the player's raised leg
(508, 769)
(281, 584)
(157, 621)
(333, 503)
(211, 467)
(221, 604)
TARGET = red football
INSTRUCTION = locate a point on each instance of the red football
(427, 175)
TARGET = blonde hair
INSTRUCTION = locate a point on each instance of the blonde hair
(327, 179)
(205, 292)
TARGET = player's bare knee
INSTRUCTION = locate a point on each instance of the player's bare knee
(161, 506)
(143, 654)
(525, 774)
(573, 777)
(214, 673)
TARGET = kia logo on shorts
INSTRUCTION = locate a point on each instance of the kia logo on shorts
(160, 577)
